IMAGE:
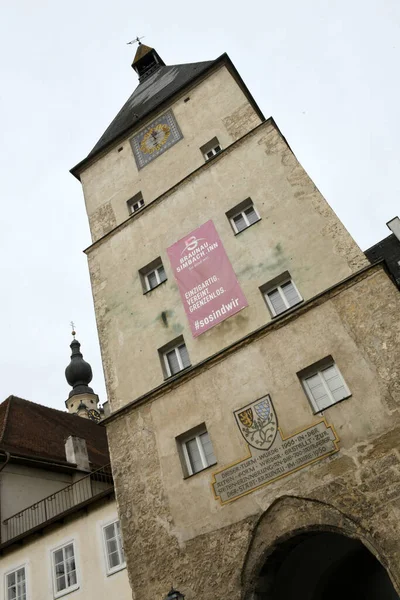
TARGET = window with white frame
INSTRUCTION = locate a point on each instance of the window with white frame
(174, 357)
(152, 275)
(281, 297)
(243, 215)
(324, 384)
(135, 203)
(64, 570)
(16, 584)
(210, 149)
(113, 547)
(196, 450)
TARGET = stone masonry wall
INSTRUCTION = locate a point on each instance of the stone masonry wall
(175, 532)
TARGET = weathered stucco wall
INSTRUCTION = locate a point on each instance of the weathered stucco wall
(298, 232)
(85, 530)
(217, 108)
(176, 531)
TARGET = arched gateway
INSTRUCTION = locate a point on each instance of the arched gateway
(307, 550)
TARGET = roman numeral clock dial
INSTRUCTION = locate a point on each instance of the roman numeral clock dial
(156, 138)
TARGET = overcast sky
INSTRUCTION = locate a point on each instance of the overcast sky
(326, 70)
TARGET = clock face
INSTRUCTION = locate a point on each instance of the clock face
(158, 136)
(94, 415)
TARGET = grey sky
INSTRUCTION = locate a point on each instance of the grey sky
(326, 70)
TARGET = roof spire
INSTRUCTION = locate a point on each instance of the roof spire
(79, 372)
(146, 60)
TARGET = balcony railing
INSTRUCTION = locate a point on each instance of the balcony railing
(65, 501)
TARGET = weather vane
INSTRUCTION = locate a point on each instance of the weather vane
(73, 328)
(136, 40)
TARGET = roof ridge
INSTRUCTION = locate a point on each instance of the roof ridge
(6, 418)
(37, 404)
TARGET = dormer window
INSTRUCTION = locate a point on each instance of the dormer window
(211, 149)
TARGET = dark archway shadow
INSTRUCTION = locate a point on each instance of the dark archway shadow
(323, 566)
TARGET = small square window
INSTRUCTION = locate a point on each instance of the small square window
(196, 450)
(281, 294)
(16, 584)
(113, 547)
(152, 275)
(243, 215)
(64, 570)
(135, 203)
(210, 149)
(324, 385)
(174, 357)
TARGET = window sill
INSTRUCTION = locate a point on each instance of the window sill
(155, 287)
(116, 569)
(248, 227)
(67, 591)
(321, 412)
(198, 472)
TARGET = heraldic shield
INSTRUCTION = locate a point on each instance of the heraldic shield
(258, 423)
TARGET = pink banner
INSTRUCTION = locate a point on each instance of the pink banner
(207, 283)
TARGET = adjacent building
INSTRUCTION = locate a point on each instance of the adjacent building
(60, 532)
(388, 250)
(250, 353)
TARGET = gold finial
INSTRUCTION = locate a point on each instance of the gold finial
(136, 40)
(73, 329)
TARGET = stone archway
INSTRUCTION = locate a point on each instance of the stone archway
(291, 532)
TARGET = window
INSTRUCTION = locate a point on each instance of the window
(281, 296)
(210, 149)
(16, 585)
(64, 570)
(196, 450)
(243, 215)
(152, 275)
(174, 357)
(113, 547)
(324, 384)
(135, 203)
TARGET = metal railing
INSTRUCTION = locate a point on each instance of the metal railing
(64, 501)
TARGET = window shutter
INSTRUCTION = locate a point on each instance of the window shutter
(152, 279)
(184, 356)
(194, 455)
(161, 273)
(251, 215)
(291, 294)
(240, 223)
(277, 302)
(334, 383)
(173, 362)
(207, 448)
(318, 392)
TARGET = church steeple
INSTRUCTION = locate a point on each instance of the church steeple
(146, 61)
(81, 400)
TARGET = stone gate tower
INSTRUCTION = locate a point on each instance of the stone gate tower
(250, 352)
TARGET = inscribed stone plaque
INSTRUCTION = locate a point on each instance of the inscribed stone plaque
(272, 456)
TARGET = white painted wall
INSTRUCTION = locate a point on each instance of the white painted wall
(85, 530)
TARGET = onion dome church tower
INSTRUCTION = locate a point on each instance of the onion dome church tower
(82, 400)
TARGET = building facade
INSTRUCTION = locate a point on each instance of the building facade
(249, 349)
(60, 532)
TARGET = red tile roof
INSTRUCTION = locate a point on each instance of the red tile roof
(37, 431)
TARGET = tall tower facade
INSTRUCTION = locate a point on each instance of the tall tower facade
(249, 349)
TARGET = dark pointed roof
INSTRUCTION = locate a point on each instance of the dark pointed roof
(149, 94)
(153, 92)
(141, 51)
(38, 432)
(79, 372)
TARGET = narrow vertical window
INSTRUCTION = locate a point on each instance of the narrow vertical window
(281, 297)
(152, 275)
(16, 584)
(176, 359)
(64, 569)
(196, 450)
(113, 547)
